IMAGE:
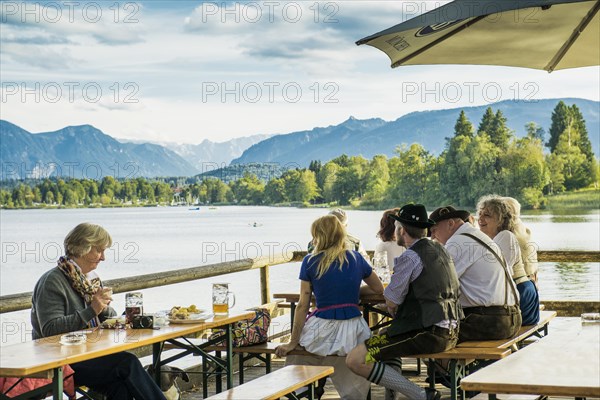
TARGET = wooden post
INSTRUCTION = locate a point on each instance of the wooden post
(265, 291)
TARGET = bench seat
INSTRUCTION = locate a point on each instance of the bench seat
(277, 384)
(468, 353)
(483, 396)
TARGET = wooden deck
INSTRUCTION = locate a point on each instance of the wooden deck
(377, 391)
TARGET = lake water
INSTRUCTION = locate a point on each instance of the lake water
(149, 240)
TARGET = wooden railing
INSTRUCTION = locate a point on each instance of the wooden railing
(22, 301)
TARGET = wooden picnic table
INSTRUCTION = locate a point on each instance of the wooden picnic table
(369, 303)
(49, 356)
(562, 364)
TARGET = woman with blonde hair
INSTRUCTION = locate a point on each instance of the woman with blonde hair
(498, 220)
(334, 274)
(523, 234)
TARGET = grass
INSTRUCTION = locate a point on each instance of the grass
(588, 199)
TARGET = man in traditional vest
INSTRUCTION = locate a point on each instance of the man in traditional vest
(487, 293)
(423, 298)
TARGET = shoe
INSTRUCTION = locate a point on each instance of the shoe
(432, 394)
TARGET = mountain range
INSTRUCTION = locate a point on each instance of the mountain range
(84, 151)
(430, 128)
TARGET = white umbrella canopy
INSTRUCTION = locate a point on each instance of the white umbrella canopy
(541, 34)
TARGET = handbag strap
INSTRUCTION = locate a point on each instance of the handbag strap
(504, 267)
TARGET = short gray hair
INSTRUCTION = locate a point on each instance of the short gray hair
(83, 237)
(340, 215)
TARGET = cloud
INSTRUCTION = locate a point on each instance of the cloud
(34, 39)
(74, 21)
(45, 58)
(279, 23)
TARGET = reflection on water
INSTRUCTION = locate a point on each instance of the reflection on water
(569, 281)
(561, 216)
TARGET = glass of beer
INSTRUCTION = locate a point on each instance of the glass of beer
(222, 298)
(134, 305)
(381, 268)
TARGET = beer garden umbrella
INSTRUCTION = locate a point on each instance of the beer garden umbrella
(541, 34)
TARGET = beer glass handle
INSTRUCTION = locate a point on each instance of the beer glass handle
(232, 298)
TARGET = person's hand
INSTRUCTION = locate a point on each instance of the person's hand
(281, 351)
(392, 310)
(101, 299)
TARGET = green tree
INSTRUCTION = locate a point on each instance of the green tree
(561, 119)
(556, 181)
(410, 174)
(534, 131)
(275, 191)
(315, 166)
(328, 176)
(300, 185)
(583, 143)
(487, 122)
(49, 197)
(163, 192)
(569, 141)
(463, 126)
(6, 198)
(37, 195)
(217, 191)
(481, 165)
(342, 161)
(350, 181)
(377, 178)
(456, 164)
(248, 189)
(500, 134)
(145, 191)
(525, 173)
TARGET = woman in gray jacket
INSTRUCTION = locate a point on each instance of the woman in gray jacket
(70, 297)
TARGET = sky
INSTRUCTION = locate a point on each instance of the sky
(185, 71)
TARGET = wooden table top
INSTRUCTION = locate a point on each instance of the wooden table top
(560, 364)
(40, 355)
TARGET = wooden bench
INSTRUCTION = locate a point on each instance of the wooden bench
(283, 382)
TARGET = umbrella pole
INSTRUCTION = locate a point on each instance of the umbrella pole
(580, 28)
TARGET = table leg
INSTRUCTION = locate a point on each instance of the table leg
(57, 384)
(457, 372)
(156, 350)
(229, 356)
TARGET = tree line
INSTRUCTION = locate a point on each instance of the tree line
(475, 162)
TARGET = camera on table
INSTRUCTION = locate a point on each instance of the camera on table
(142, 322)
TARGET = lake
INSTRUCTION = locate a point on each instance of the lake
(156, 239)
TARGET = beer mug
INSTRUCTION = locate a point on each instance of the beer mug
(221, 298)
(134, 305)
(381, 268)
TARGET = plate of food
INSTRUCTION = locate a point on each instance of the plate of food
(188, 315)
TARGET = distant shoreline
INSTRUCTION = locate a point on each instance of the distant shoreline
(582, 200)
